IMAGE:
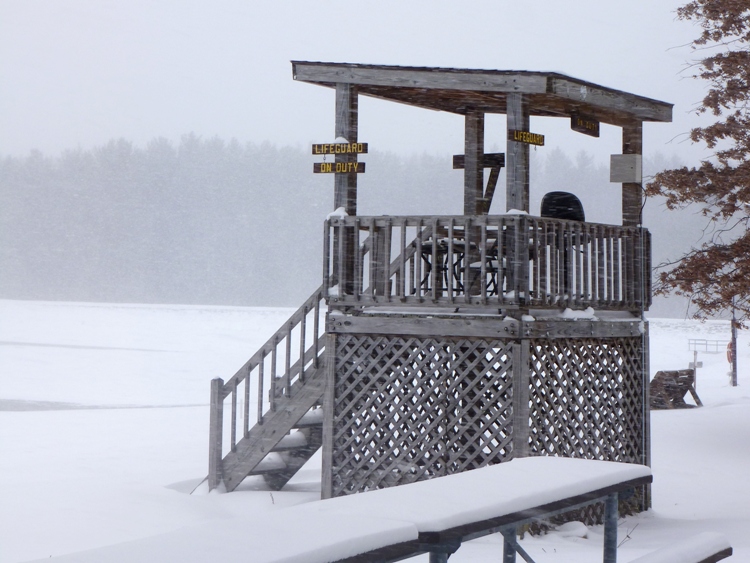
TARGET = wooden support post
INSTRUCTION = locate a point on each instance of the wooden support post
(632, 192)
(345, 185)
(474, 163)
(521, 359)
(517, 176)
(326, 484)
(215, 434)
(345, 192)
(610, 528)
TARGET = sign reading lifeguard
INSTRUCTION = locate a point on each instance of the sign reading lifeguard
(338, 167)
(526, 137)
(340, 148)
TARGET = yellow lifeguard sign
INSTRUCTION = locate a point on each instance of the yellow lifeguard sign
(346, 158)
(526, 137)
(340, 148)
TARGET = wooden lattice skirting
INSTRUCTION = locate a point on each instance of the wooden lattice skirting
(406, 408)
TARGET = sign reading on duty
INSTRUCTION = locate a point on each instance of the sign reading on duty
(584, 125)
(338, 167)
(526, 137)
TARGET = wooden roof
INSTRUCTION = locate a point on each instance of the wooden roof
(458, 90)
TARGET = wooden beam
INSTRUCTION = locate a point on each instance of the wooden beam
(345, 192)
(449, 79)
(517, 176)
(632, 193)
(474, 163)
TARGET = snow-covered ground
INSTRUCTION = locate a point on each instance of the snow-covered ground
(104, 431)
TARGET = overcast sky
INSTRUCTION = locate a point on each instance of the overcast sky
(80, 72)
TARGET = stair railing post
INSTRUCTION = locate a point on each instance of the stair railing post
(215, 434)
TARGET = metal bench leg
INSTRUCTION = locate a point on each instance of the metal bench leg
(509, 545)
(610, 528)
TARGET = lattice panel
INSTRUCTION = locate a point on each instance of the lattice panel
(407, 409)
(586, 398)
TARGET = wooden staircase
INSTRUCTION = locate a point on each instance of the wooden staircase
(283, 383)
(288, 377)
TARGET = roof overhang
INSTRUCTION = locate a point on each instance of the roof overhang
(549, 94)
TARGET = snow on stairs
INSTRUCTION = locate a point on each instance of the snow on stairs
(293, 451)
(288, 377)
(271, 450)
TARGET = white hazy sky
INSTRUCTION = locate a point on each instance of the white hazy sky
(76, 73)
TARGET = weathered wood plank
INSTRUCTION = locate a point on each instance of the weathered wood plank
(261, 439)
(517, 174)
(215, 473)
(473, 162)
(479, 326)
(632, 193)
(419, 78)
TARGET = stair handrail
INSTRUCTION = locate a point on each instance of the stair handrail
(220, 390)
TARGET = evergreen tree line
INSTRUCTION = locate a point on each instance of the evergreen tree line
(206, 221)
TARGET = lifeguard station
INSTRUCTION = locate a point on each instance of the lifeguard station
(456, 342)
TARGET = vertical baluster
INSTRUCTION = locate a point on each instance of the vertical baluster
(418, 263)
(555, 250)
(246, 422)
(617, 289)
(233, 439)
(600, 265)
(288, 362)
(647, 268)
(316, 333)
(483, 262)
(385, 259)
(536, 270)
(467, 281)
(586, 266)
(630, 263)
(261, 367)
(569, 263)
(373, 259)
(411, 288)
(274, 351)
(302, 329)
(542, 257)
(451, 282)
(577, 255)
(502, 253)
(401, 279)
(358, 268)
(434, 262)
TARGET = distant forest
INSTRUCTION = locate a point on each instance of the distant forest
(206, 221)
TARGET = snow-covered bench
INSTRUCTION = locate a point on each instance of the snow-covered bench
(703, 548)
(433, 516)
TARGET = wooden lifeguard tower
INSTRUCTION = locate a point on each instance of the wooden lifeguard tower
(454, 342)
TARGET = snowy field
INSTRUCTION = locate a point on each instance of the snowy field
(104, 431)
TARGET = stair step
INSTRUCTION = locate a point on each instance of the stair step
(272, 463)
(311, 418)
(294, 441)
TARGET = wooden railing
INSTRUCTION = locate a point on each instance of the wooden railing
(271, 373)
(495, 261)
